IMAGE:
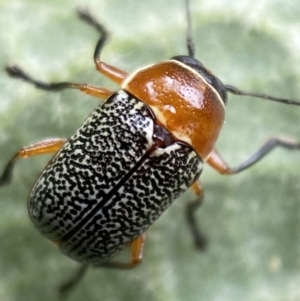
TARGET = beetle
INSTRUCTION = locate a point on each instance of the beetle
(134, 155)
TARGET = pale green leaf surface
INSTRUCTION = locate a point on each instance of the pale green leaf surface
(252, 220)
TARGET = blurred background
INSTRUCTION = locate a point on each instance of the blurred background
(251, 219)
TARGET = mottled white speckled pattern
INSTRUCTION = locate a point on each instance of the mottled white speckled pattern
(107, 185)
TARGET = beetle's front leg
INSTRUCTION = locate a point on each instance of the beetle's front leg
(115, 74)
(111, 72)
(199, 238)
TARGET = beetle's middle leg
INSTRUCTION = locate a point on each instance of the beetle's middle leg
(217, 162)
(17, 72)
(47, 146)
(199, 238)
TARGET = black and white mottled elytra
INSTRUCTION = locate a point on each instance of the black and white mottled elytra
(108, 183)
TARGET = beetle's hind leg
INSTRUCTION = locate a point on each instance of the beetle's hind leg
(67, 286)
(200, 240)
(136, 249)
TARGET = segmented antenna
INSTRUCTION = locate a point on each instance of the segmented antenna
(189, 39)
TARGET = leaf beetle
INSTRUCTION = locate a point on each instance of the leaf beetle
(134, 155)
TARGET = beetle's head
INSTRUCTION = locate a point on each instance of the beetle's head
(205, 73)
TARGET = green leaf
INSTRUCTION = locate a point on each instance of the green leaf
(252, 219)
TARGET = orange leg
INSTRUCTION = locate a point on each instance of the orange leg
(47, 146)
(136, 246)
(216, 161)
(113, 73)
(17, 72)
(137, 249)
(199, 239)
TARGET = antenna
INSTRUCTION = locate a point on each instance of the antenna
(189, 40)
(236, 91)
